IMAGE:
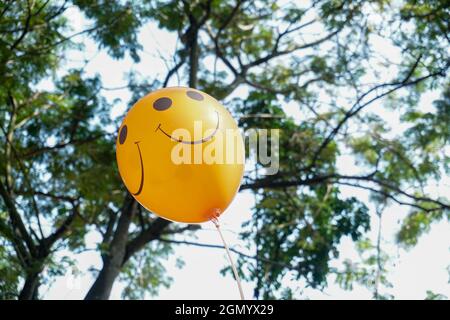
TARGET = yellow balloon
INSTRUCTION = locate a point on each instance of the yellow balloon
(180, 154)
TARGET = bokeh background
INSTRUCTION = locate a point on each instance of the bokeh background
(359, 90)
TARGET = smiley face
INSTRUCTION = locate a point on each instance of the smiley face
(187, 192)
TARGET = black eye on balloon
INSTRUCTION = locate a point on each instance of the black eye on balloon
(162, 104)
(195, 95)
(123, 134)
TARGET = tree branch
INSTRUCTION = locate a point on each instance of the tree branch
(357, 106)
(337, 178)
(25, 30)
(59, 146)
(16, 220)
(153, 232)
(50, 240)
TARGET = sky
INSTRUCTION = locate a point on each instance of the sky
(412, 272)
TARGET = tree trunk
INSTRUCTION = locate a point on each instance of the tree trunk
(194, 54)
(101, 289)
(30, 287)
(113, 261)
(117, 253)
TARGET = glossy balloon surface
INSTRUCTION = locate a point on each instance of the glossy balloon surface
(180, 123)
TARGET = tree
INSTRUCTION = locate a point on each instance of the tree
(54, 146)
(318, 55)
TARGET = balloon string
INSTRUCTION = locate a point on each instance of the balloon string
(233, 267)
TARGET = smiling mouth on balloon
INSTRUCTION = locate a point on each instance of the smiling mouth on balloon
(141, 185)
(206, 139)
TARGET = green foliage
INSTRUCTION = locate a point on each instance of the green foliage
(429, 26)
(435, 296)
(30, 49)
(9, 272)
(416, 224)
(296, 234)
(370, 270)
(115, 25)
(56, 146)
(145, 275)
(430, 130)
(57, 149)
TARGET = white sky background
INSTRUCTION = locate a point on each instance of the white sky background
(416, 271)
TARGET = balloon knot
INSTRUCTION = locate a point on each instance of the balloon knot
(215, 217)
